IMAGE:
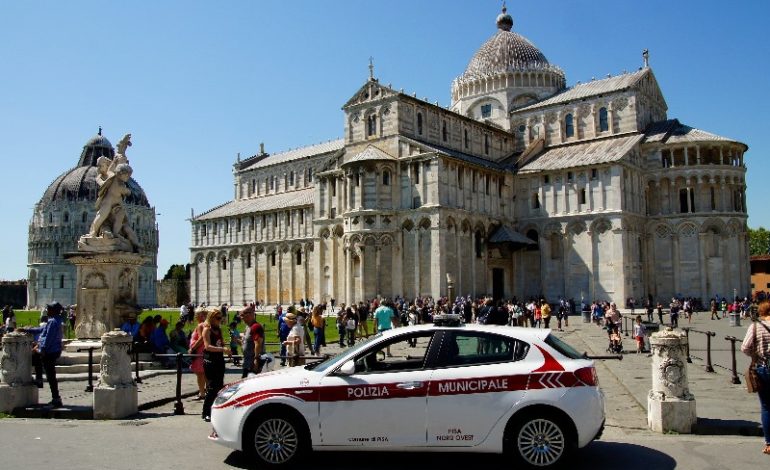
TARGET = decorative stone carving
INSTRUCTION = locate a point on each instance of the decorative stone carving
(106, 291)
(16, 385)
(111, 230)
(670, 405)
(115, 395)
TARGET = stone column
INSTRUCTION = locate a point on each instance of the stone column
(670, 405)
(115, 395)
(16, 385)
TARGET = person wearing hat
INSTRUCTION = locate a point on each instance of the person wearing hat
(295, 340)
(130, 326)
(49, 348)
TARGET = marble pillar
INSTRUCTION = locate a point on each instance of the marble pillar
(670, 405)
(115, 395)
(16, 385)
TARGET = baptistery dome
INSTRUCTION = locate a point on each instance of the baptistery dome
(65, 212)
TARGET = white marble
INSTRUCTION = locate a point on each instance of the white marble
(670, 405)
(16, 384)
(115, 395)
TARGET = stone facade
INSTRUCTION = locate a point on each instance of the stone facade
(64, 213)
(522, 187)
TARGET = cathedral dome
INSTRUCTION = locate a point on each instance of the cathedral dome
(79, 183)
(505, 52)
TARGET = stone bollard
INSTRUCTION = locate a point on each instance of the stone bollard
(670, 405)
(115, 395)
(16, 385)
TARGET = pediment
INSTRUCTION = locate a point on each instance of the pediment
(648, 85)
(371, 91)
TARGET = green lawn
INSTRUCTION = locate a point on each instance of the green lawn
(32, 318)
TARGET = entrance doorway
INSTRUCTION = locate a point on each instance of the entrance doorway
(498, 279)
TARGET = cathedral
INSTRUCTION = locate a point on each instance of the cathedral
(65, 212)
(521, 187)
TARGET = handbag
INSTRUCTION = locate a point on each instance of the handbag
(753, 384)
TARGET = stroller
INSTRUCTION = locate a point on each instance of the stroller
(615, 345)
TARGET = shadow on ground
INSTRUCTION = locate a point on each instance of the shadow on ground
(728, 427)
(596, 455)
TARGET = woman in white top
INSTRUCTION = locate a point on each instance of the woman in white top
(757, 344)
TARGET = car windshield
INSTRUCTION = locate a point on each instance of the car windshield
(563, 348)
(323, 365)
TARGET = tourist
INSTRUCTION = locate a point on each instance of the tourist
(283, 333)
(302, 314)
(235, 339)
(295, 340)
(196, 347)
(639, 333)
(363, 318)
(660, 313)
(756, 344)
(213, 359)
(545, 313)
(183, 312)
(10, 322)
(351, 322)
(177, 339)
(49, 347)
(6, 313)
(341, 326)
(71, 316)
(560, 315)
(319, 326)
(143, 339)
(160, 342)
(253, 343)
(37, 358)
(223, 309)
(130, 326)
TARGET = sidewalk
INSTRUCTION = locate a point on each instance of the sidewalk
(722, 408)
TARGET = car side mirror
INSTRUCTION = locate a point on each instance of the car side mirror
(348, 368)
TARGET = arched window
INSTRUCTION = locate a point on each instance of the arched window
(486, 144)
(61, 281)
(444, 133)
(569, 126)
(291, 178)
(371, 125)
(45, 282)
(603, 123)
(224, 264)
(465, 138)
(50, 217)
(66, 217)
(248, 260)
(419, 123)
(272, 259)
(299, 257)
(386, 178)
(56, 250)
(84, 218)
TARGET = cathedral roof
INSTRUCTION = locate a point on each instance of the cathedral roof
(504, 52)
(79, 183)
(583, 154)
(592, 88)
(296, 154)
(302, 197)
(673, 132)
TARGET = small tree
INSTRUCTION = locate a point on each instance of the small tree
(759, 241)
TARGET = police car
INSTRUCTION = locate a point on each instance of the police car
(439, 387)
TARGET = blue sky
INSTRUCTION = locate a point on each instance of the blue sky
(197, 82)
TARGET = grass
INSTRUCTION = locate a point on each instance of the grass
(26, 318)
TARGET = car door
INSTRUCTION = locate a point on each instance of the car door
(382, 404)
(478, 377)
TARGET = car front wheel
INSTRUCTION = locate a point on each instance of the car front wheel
(540, 441)
(277, 441)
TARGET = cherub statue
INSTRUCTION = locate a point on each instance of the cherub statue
(113, 176)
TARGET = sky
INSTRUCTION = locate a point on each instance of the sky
(197, 82)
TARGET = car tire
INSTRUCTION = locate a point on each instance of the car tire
(540, 440)
(276, 439)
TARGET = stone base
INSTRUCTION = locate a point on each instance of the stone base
(17, 396)
(671, 415)
(115, 403)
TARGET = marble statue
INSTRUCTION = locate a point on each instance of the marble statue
(110, 230)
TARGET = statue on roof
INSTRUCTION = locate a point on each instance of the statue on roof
(110, 230)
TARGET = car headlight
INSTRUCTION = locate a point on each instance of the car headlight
(227, 393)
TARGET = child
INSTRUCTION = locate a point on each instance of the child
(235, 340)
(639, 334)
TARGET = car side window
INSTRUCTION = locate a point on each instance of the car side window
(467, 348)
(402, 353)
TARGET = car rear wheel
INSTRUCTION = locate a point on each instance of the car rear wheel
(540, 440)
(275, 440)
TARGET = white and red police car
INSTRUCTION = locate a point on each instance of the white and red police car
(470, 388)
